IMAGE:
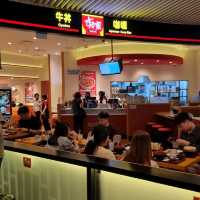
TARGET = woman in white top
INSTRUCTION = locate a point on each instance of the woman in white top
(97, 146)
(140, 150)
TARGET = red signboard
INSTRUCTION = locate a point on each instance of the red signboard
(92, 25)
(29, 92)
(87, 82)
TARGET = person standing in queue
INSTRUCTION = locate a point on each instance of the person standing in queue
(78, 113)
(45, 113)
(37, 105)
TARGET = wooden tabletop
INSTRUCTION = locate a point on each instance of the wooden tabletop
(182, 166)
(28, 140)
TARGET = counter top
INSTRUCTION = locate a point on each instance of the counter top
(94, 111)
(163, 176)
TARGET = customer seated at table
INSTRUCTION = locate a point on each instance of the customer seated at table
(140, 150)
(27, 120)
(97, 145)
(63, 138)
(104, 120)
(190, 133)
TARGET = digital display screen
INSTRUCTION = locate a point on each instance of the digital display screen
(110, 68)
(5, 101)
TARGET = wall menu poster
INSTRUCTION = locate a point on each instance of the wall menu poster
(87, 82)
(29, 92)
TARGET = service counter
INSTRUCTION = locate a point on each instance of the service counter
(125, 121)
(32, 172)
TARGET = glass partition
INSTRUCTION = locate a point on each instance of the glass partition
(118, 187)
(45, 180)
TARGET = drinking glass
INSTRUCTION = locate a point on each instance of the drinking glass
(117, 139)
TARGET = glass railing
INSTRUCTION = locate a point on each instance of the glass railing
(31, 174)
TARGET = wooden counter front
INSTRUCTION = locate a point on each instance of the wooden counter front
(136, 117)
(139, 115)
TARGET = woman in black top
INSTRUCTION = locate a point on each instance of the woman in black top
(78, 112)
(45, 113)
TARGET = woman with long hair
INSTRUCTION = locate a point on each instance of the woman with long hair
(140, 150)
(97, 146)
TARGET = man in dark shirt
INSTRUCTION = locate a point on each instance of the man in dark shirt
(104, 120)
(190, 133)
(27, 120)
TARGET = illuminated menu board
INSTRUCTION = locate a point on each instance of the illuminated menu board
(150, 31)
(92, 25)
(40, 18)
(114, 26)
(60, 21)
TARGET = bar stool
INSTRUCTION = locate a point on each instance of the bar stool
(148, 126)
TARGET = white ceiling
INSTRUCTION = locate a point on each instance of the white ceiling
(165, 11)
(23, 42)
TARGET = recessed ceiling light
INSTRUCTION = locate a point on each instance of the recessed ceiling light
(142, 63)
(135, 60)
(157, 61)
(10, 43)
(36, 48)
(59, 43)
(57, 54)
(35, 38)
(20, 51)
(170, 62)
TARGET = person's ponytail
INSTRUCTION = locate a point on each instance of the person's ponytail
(90, 147)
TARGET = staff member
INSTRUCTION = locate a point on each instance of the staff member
(190, 133)
(37, 105)
(78, 112)
(27, 120)
(45, 113)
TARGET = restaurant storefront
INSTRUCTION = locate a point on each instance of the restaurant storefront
(158, 64)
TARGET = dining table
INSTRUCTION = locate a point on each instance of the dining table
(182, 165)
